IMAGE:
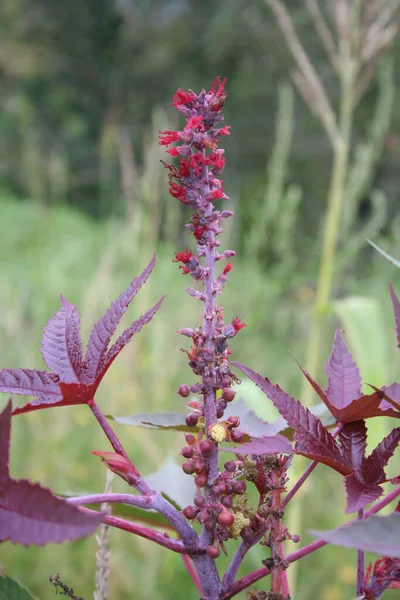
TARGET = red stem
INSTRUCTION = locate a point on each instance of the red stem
(162, 539)
(251, 578)
(360, 562)
(275, 536)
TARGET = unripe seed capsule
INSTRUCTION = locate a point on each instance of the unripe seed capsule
(234, 421)
(192, 420)
(209, 525)
(199, 501)
(205, 447)
(190, 512)
(187, 451)
(212, 551)
(228, 394)
(190, 439)
(237, 435)
(226, 519)
(239, 487)
(184, 390)
(295, 539)
(202, 516)
(199, 466)
(226, 501)
(226, 381)
(230, 466)
(188, 467)
(201, 480)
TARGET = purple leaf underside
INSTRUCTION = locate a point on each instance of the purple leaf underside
(353, 442)
(277, 444)
(344, 381)
(379, 534)
(30, 514)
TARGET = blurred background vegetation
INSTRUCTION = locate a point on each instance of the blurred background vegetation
(84, 89)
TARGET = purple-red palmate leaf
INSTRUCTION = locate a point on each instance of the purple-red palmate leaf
(353, 442)
(343, 396)
(373, 467)
(396, 308)
(360, 494)
(30, 514)
(74, 379)
(313, 440)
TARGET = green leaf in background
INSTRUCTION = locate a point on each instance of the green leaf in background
(167, 420)
(11, 590)
(365, 331)
(390, 258)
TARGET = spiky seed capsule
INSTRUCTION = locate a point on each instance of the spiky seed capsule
(230, 466)
(218, 433)
(188, 467)
(187, 451)
(212, 551)
(228, 394)
(184, 390)
(205, 447)
(199, 466)
(192, 420)
(234, 421)
(226, 519)
(201, 480)
(237, 435)
(239, 487)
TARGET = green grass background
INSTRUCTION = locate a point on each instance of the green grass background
(44, 253)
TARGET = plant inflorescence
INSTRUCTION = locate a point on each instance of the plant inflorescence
(220, 510)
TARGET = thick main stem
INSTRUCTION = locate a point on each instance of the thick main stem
(275, 536)
(360, 562)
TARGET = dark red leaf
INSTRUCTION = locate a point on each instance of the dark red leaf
(61, 343)
(344, 382)
(372, 470)
(396, 308)
(74, 380)
(353, 441)
(360, 494)
(105, 327)
(31, 382)
(313, 440)
(30, 514)
(127, 335)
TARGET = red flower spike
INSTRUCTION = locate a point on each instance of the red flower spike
(168, 137)
(237, 323)
(183, 256)
(224, 130)
(194, 123)
(228, 267)
(74, 379)
(179, 192)
(173, 152)
(183, 98)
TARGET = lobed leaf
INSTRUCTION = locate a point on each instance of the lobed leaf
(372, 470)
(105, 327)
(31, 382)
(344, 381)
(312, 439)
(353, 442)
(360, 494)
(378, 534)
(61, 346)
